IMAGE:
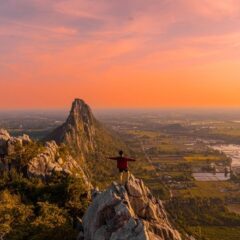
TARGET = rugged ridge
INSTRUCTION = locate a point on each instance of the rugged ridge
(128, 212)
(49, 162)
(79, 129)
(47, 159)
(9, 144)
(88, 140)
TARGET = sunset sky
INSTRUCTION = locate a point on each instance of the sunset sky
(119, 53)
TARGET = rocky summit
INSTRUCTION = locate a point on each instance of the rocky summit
(127, 212)
(79, 129)
(89, 141)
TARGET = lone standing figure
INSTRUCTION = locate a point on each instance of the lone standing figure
(122, 164)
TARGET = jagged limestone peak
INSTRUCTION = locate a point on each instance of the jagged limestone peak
(127, 212)
(80, 113)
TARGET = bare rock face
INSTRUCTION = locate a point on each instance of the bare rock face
(9, 144)
(89, 141)
(49, 161)
(4, 137)
(79, 129)
(85, 135)
(25, 139)
(127, 212)
(44, 164)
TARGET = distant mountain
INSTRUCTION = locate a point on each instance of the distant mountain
(88, 140)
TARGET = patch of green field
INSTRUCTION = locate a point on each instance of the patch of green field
(157, 188)
(142, 133)
(228, 131)
(217, 233)
(164, 159)
(208, 190)
(164, 149)
(200, 157)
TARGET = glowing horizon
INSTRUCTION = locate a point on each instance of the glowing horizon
(119, 54)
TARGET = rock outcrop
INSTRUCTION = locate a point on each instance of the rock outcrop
(49, 161)
(4, 137)
(82, 132)
(128, 212)
(79, 129)
(88, 141)
(9, 144)
(45, 163)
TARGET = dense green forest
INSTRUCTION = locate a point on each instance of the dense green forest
(37, 210)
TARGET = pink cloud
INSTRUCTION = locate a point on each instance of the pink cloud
(214, 9)
(89, 44)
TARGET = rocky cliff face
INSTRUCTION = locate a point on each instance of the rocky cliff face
(46, 161)
(49, 161)
(79, 129)
(88, 140)
(9, 144)
(128, 212)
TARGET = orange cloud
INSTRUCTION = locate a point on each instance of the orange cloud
(119, 53)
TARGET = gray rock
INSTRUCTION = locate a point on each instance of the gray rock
(4, 135)
(127, 212)
(9, 145)
(25, 139)
(4, 138)
(79, 129)
(48, 162)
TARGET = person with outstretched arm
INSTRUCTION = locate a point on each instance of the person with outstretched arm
(122, 164)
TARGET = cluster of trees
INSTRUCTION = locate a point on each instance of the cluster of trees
(36, 210)
(205, 212)
(202, 211)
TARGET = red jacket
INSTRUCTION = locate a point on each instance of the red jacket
(122, 162)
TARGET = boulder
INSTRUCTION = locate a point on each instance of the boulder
(125, 212)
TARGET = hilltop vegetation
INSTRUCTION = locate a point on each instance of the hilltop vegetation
(33, 209)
